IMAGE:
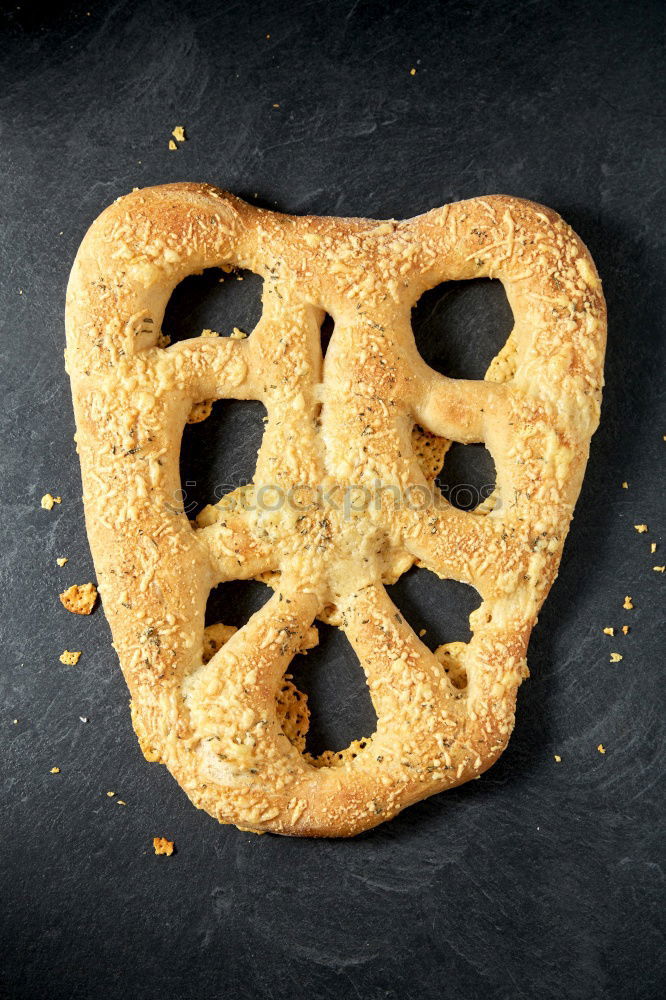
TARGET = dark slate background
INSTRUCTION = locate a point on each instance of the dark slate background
(539, 880)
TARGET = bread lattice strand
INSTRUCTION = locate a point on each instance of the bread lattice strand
(345, 423)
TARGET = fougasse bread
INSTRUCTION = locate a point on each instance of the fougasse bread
(343, 499)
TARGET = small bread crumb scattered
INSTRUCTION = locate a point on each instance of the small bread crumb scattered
(55, 770)
(653, 548)
(62, 560)
(70, 658)
(422, 632)
(412, 71)
(609, 631)
(163, 846)
(625, 630)
(48, 501)
(558, 759)
(601, 748)
(641, 528)
(659, 569)
(237, 334)
(120, 802)
(628, 604)
(615, 657)
(625, 486)
(83, 718)
(79, 598)
(172, 144)
(179, 133)
(110, 794)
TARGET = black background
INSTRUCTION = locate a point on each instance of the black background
(539, 880)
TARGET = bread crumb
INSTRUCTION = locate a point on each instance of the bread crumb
(172, 144)
(163, 846)
(628, 604)
(70, 658)
(48, 501)
(641, 528)
(558, 759)
(615, 657)
(55, 770)
(110, 794)
(237, 334)
(15, 722)
(412, 71)
(625, 486)
(79, 598)
(609, 631)
(83, 718)
(659, 569)
(120, 802)
(625, 630)
(179, 134)
(422, 632)
(601, 748)
(62, 560)
(653, 548)
(276, 105)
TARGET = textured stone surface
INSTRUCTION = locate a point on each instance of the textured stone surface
(541, 879)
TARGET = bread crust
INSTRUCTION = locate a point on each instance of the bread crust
(214, 720)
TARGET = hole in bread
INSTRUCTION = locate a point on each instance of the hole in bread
(441, 607)
(459, 326)
(219, 454)
(214, 300)
(467, 478)
(327, 327)
(233, 603)
(339, 702)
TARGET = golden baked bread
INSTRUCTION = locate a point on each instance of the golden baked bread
(350, 476)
